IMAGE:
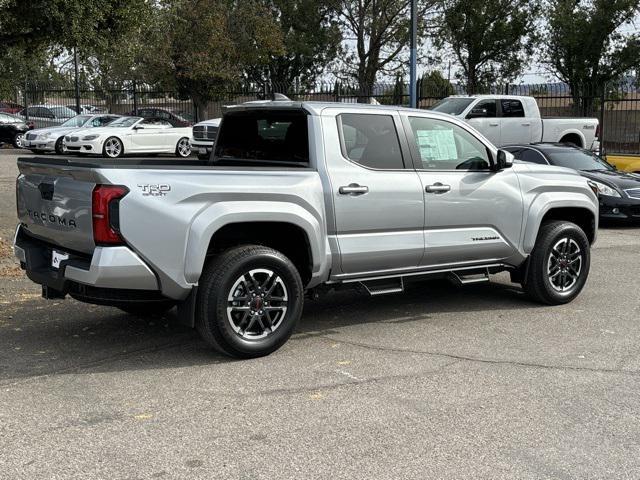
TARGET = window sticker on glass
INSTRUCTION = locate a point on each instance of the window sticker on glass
(437, 145)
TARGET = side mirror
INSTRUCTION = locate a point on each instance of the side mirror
(138, 127)
(504, 160)
(478, 113)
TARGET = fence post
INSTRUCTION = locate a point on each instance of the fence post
(25, 101)
(135, 98)
(603, 97)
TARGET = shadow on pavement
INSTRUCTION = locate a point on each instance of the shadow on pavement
(39, 337)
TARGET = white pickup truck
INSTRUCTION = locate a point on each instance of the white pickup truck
(510, 119)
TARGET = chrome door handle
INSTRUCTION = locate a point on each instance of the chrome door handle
(353, 189)
(437, 188)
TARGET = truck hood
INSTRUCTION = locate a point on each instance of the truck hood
(214, 122)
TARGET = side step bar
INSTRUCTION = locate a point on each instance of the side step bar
(461, 279)
(384, 286)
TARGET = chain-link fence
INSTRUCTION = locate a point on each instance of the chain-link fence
(617, 106)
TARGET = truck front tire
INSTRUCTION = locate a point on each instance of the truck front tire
(250, 299)
(559, 264)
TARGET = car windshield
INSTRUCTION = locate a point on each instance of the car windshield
(77, 121)
(578, 159)
(62, 112)
(452, 106)
(124, 122)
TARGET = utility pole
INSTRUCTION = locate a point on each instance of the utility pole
(413, 57)
(75, 67)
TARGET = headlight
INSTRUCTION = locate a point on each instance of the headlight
(44, 136)
(90, 137)
(602, 189)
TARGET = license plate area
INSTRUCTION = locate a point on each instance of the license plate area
(58, 257)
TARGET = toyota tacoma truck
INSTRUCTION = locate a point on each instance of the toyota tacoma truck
(300, 198)
(512, 119)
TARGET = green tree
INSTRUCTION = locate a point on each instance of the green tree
(434, 85)
(585, 48)
(311, 40)
(212, 42)
(380, 29)
(488, 38)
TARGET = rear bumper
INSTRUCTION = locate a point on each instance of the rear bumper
(109, 267)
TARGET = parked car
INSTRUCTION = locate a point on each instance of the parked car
(12, 130)
(51, 139)
(47, 115)
(10, 107)
(619, 192)
(131, 135)
(204, 136)
(301, 196)
(177, 118)
(510, 119)
(626, 163)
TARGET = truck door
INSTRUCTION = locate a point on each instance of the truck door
(484, 118)
(472, 214)
(376, 194)
(515, 126)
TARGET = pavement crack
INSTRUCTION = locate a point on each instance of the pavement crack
(490, 361)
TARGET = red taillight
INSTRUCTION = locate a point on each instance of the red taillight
(104, 208)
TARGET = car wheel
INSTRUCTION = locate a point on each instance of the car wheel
(112, 148)
(183, 148)
(18, 140)
(146, 309)
(249, 301)
(559, 264)
(59, 147)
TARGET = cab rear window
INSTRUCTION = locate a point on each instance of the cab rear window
(263, 138)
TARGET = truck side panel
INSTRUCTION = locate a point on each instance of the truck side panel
(171, 227)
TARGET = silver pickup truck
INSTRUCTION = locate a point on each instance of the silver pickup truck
(299, 197)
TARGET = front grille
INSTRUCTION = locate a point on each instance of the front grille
(205, 132)
(31, 136)
(633, 193)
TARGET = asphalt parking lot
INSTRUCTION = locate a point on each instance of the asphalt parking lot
(439, 382)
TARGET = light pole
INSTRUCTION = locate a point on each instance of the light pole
(413, 101)
(77, 81)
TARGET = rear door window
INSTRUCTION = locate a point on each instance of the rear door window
(269, 138)
(371, 141)
(512, 108)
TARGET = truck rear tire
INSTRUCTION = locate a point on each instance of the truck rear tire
(250, 299)
(559, 264)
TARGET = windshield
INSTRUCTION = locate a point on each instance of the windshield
(76, 122)
(63, 112)
(452, 105)
(124, 122)
(578, 160)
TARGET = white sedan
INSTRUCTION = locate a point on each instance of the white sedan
(131, 135)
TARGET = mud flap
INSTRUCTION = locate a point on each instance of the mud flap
(187, 309)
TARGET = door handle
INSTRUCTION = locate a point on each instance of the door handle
(493, 124)
(437, 188)
(353, 189)
(526, 124)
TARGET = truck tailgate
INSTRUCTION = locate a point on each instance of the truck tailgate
(54, 204)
